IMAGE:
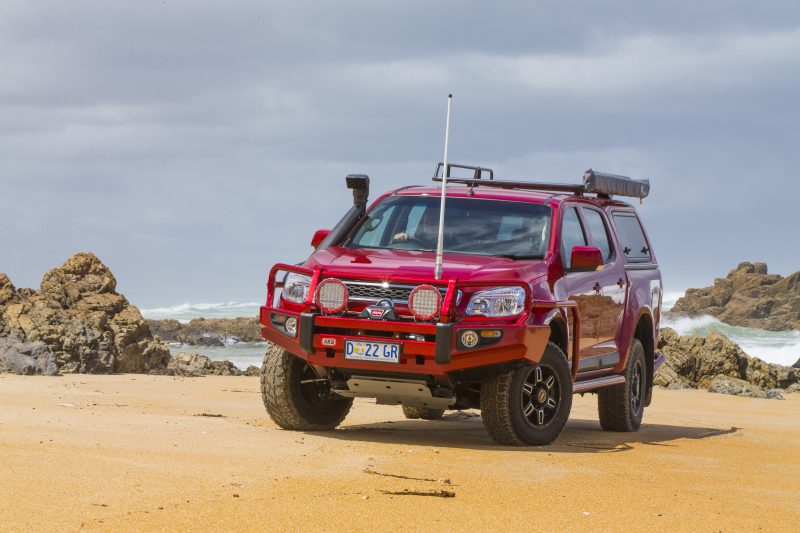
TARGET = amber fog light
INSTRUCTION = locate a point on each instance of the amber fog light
(424, 302)
(332, 295)
(469, 339)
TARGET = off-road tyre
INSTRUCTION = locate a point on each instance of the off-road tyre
(511, 402)
(292, 405)
(621, 406)
(425, 413)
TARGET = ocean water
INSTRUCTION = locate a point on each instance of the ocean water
(241, 354)
(780, 347)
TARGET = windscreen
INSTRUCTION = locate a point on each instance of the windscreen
(518, 230)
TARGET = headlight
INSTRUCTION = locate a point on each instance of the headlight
(498, 302)
(295, 288)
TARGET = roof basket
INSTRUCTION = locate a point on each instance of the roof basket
(600, 183)
(477, 171)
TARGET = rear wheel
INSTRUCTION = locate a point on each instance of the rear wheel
(296, 397)
(529, 405)
(621, 406)
(425, 413)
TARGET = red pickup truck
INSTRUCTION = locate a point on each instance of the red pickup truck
(546, 290)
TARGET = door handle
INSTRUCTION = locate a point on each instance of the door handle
(597, 287)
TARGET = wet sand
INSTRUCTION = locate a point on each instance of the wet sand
(133, 452)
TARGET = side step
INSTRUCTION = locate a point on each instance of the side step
(596, 383)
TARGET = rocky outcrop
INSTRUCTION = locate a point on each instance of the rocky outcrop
(715, 363)
(797, 364)
(195, 365)
(85, 325)
(208, 331)
(748, 296)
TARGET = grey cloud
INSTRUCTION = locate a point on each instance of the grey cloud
(192, 144)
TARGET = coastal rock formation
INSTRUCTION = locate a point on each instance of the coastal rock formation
(748, 296)
(708, 362)
(797, 364)
(85, 325)
(208, 331)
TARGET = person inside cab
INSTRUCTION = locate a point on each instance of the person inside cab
(426, 233)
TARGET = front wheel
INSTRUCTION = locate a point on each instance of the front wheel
(296, 397)
(621, 406)
(529, 405)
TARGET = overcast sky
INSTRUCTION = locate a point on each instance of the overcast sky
(191, 145)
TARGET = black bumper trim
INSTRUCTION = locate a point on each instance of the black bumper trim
(444, 343)
(306, 333)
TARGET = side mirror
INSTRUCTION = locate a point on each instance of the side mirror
(585, 259)
(318, 237)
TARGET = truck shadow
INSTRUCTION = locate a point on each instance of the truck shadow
(579, 436)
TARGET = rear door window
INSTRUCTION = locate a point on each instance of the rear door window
(572, 235)
(599, 232)
(631, 237)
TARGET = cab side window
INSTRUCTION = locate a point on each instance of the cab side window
(572, 235)
(599, 232)
(631, 237)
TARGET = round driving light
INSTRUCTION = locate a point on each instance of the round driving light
(469, 338)
(424, 302)
(331, 295)
(290, 326)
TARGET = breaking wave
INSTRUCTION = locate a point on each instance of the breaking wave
(186, 312)
(778, 347)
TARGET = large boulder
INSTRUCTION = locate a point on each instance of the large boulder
(29, 358)
(697, 361)
(748, 296)
(85, 324)
(722, 384)
(208, 331)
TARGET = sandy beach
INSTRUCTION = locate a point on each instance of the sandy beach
(138, 452)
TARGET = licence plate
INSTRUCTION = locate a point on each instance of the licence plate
(383, 352)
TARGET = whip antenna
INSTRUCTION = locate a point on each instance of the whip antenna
(437, 271)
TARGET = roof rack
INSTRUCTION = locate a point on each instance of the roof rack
(603, 184)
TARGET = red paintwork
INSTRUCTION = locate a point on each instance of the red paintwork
(546, 284)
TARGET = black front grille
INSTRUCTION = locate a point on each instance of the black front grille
(373, 292)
